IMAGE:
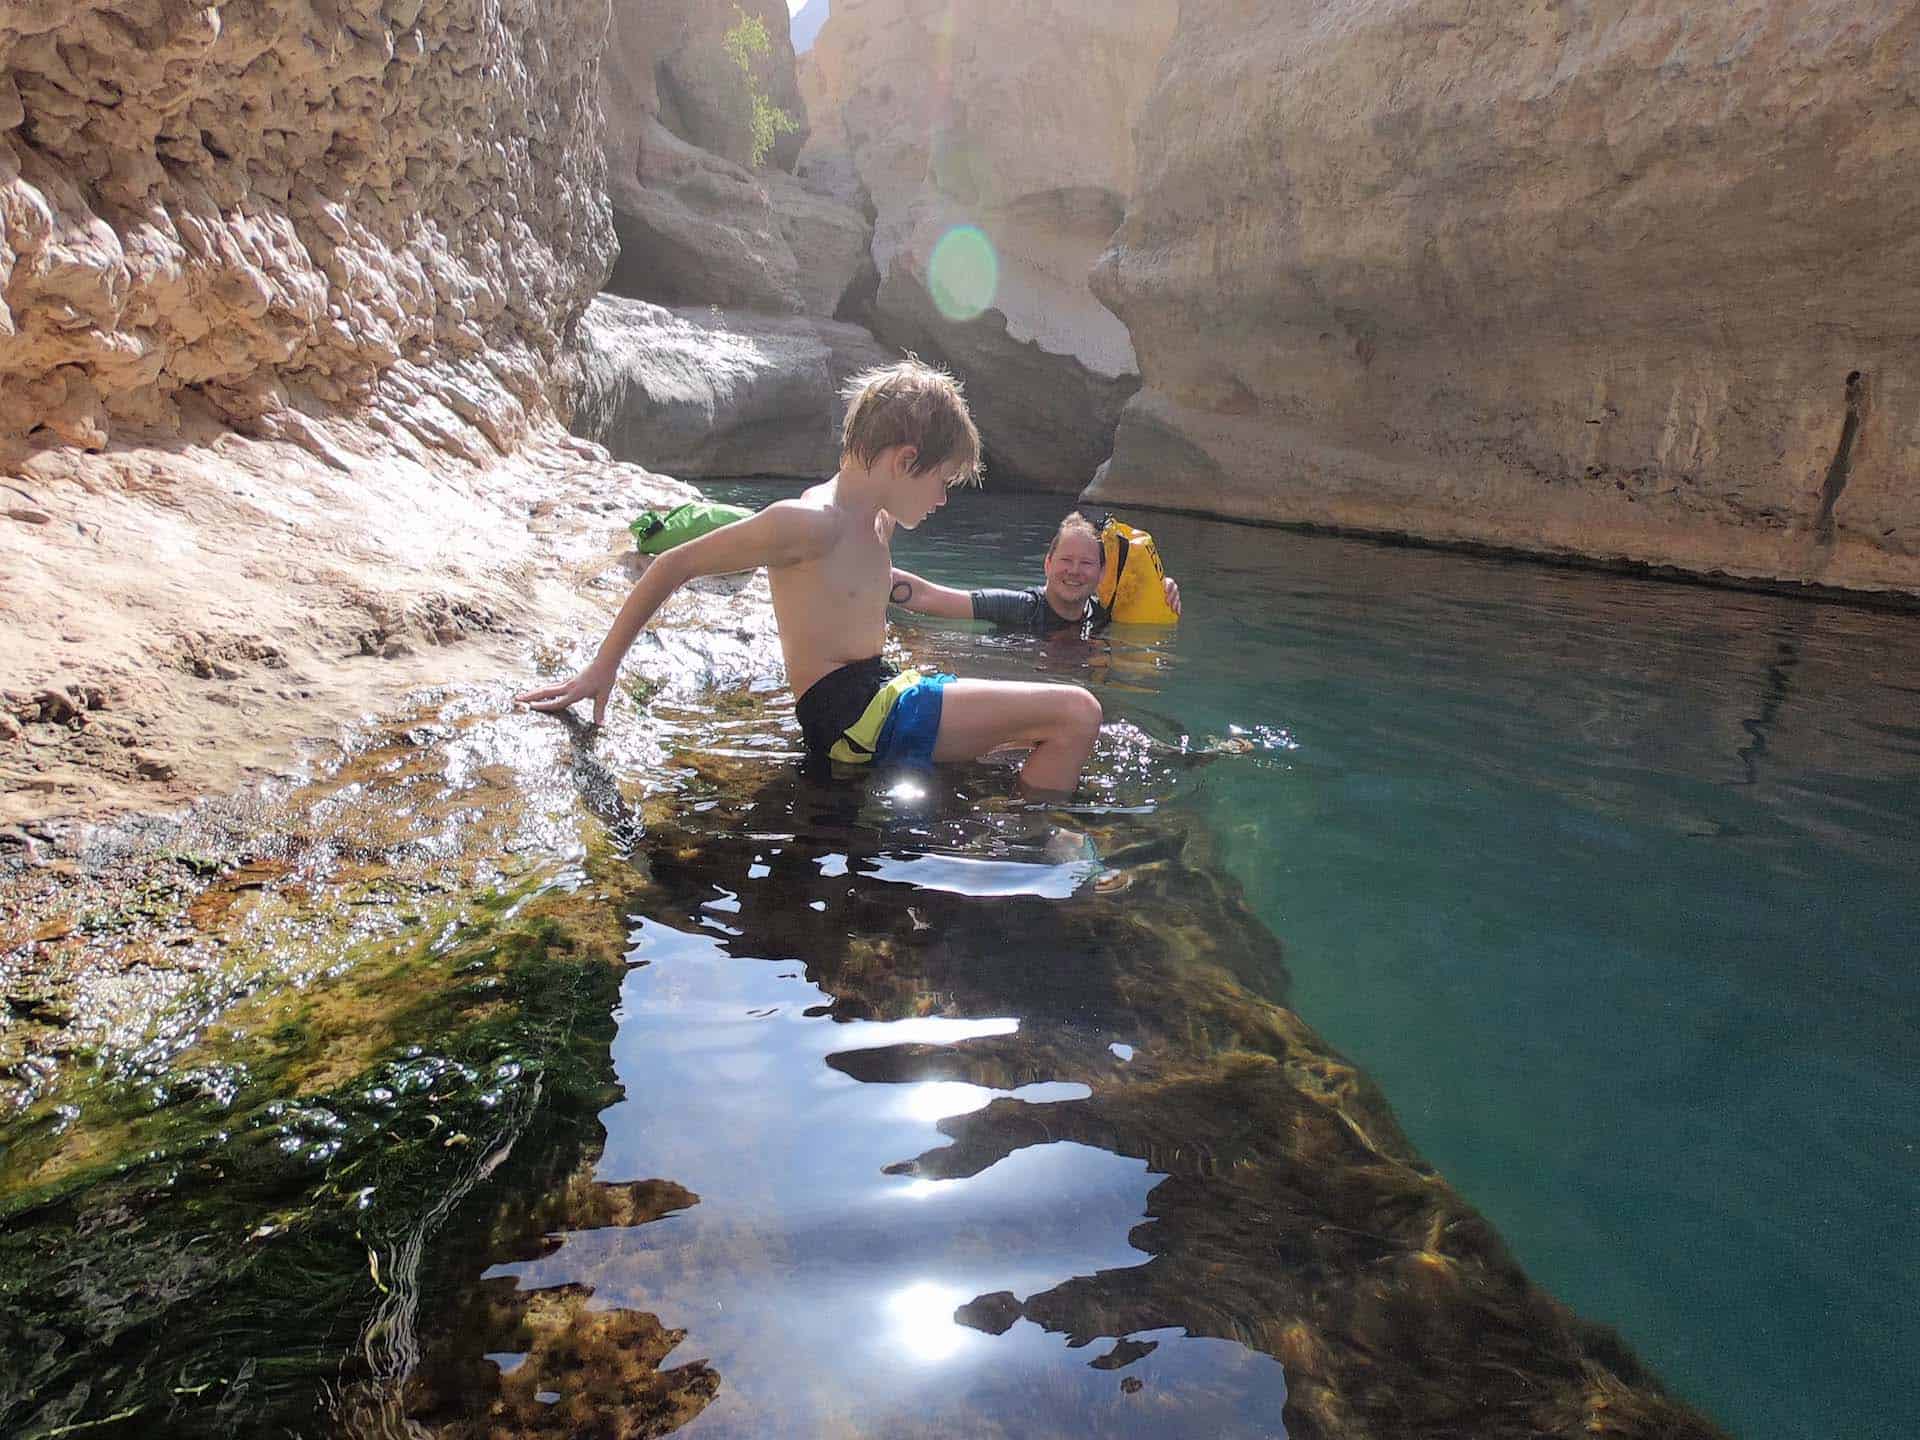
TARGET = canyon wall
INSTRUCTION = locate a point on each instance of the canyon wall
(1620, 281)
(1015, 117)
(708, 393)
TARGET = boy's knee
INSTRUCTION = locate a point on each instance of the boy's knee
(1084, 711)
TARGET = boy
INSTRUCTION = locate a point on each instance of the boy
(907, 440)
(1074, 564)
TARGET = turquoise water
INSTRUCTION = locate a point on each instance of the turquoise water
(888, 1107)
(1609, 883)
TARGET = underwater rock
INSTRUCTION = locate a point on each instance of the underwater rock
(714, 392)
(989, 134)
(577, 1370)
(1626, 284)
(413, 1098)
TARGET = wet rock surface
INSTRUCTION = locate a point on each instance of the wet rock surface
(195, 615)
(282, 289)
(1598, 284)
(716, 393)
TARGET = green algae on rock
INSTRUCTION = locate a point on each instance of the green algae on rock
(216, 1275)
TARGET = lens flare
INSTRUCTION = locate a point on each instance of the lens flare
(963, 274)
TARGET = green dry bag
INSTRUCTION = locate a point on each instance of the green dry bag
(655, 532)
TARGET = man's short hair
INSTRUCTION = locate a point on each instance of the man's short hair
(910, 403)
(1075, 523)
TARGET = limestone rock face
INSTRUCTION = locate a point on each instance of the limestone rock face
(1620, 283)
(695, 225)
(716, 393)
(1015, 116)
(260, 210)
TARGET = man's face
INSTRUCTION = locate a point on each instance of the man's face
(1073, 569)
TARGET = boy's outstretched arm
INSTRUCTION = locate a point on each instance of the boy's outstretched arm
(782, 534)
(923, 597)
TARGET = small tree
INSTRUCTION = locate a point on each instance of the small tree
(746, 42)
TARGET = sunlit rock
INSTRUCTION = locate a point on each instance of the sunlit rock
(236, 211)
(697, 223)
(283, 286)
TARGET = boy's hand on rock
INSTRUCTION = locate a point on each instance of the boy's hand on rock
(585, 686)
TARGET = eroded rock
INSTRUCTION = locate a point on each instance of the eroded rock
(283, 286)
(696, 224)
(257, 211)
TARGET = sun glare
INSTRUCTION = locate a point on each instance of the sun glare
(923, 1323)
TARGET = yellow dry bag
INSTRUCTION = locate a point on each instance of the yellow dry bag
(1133, 585)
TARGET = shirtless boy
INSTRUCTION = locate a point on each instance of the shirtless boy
(908, 439)
(1073, 567)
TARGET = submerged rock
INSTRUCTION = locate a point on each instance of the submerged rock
(714, 392)
(1625, 285)
(1294, 1217)
(403, 1118)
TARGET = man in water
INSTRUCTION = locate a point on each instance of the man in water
(906, 441)
(1066, 601)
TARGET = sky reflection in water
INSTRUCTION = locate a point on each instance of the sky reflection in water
(822, 1288)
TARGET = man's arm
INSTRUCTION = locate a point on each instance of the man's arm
(924, 597)
(784, 533)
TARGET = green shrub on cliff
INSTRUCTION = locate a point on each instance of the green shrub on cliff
(746, 42)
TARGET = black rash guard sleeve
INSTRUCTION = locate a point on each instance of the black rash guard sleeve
(1012, 609)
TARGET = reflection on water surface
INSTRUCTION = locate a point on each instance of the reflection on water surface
(968, 1144)
(820, 1281)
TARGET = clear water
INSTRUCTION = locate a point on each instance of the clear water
(1612, 885)
(774, 1107)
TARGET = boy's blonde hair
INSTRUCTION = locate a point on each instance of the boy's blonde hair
(911, 403)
